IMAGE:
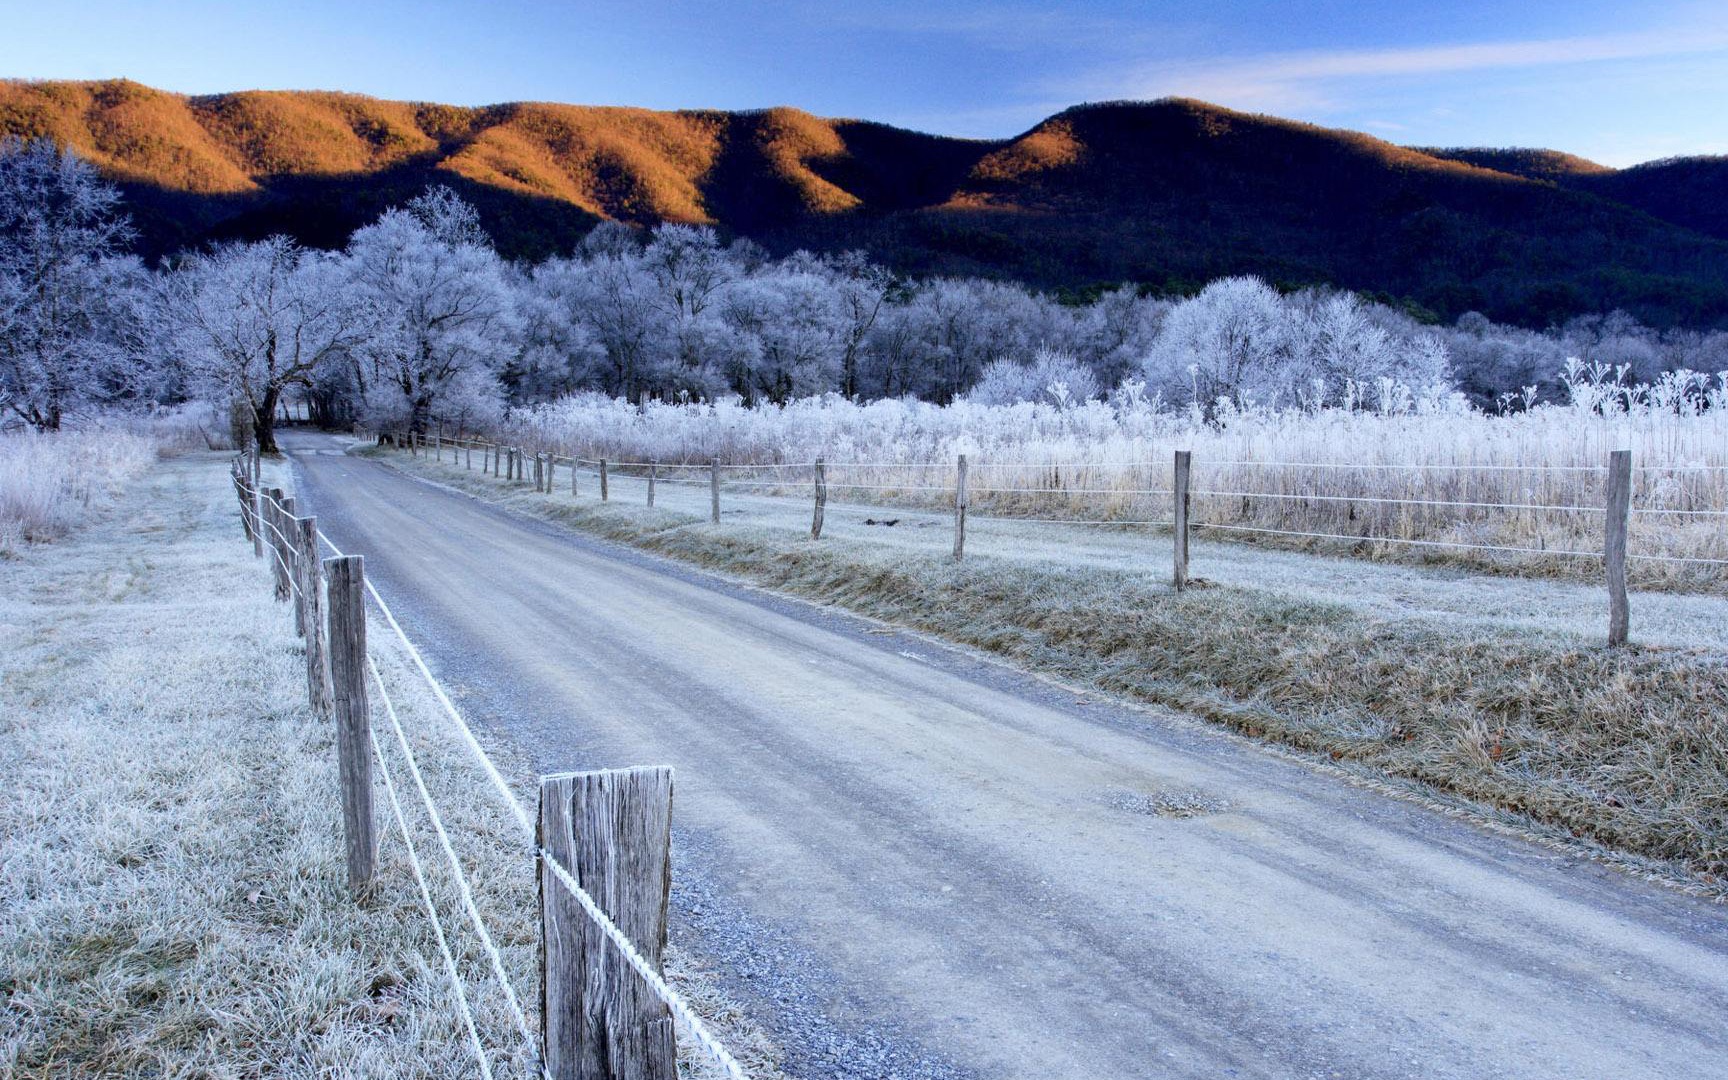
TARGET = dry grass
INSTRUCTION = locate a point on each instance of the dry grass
(173, 898)
(1624, 748)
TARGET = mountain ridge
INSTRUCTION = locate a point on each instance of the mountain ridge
(1167, 193)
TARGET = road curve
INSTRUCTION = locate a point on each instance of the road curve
(1010, 881)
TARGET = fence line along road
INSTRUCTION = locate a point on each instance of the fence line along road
(1189, 504)
(607, 1012)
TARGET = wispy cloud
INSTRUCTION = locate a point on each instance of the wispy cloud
(1293, 81)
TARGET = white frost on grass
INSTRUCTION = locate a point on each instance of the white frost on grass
(174, 895)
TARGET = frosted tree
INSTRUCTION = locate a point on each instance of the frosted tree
(610, 298)
(59, 226)
(1052, 377)
(448, 312)
(861, 288)
(248, 322)
(561, 350)
(1230, 343)
(790, 333)
(689, 269)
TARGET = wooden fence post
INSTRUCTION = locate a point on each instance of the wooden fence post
(1619, 505)
(960, 509)
(652, 470)
(551, 471)
(612, 832)
(539, 472)
(603, 493)
(575, 471)
(714, 490)
(255, 505)
(1179, 499)
(821, 499)
(312, 607)
(468, 456)
(347, 577)
(272, 506)
(291, 555)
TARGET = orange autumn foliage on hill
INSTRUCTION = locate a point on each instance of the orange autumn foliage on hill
(1169, 193)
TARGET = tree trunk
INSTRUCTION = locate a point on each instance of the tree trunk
(264, 421)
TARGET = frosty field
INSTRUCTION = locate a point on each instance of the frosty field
(173, 890)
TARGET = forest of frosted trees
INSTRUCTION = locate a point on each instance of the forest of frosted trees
(418, 322)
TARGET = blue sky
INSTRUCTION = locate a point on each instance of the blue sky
(1617, 82)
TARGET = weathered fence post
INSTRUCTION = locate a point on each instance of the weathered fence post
(1619, 505)
(438, 446)
(714, 490)
(960, 508)
(272, 506)
(312, 614)
(291, 555)
(575, 471)
(551, 471)
(539, 472)
(652, 470)
(821, 499)
(468, 456)
(612, 832)
(1179, 499)
(255, 505)
(603, 492)
(347, 577)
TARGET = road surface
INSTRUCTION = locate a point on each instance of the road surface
(926, 864)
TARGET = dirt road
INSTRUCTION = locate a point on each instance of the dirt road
(912, 862)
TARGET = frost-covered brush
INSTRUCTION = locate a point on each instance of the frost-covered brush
(47, 481)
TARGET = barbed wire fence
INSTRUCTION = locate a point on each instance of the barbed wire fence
(1598, 535)
(600, 840)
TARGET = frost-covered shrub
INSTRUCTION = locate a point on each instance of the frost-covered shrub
(47, 481)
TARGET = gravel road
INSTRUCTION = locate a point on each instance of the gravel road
(912, 862)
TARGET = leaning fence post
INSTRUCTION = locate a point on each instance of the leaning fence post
(1179, 499)
(347, 577)
(312, 607)
(612, 832)
(960, 508)
(1618, 502)
(603, 493)
(821, 499)
(714, 490)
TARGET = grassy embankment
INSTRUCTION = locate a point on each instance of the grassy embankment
(173, 895)
(1625, 750)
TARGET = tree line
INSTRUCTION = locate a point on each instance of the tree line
(418, 320)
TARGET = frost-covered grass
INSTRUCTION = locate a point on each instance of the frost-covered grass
(1326, 468)
(48, 481)
(1626, 748)
(173, 901)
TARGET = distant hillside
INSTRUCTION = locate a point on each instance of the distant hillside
(1167, 193)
